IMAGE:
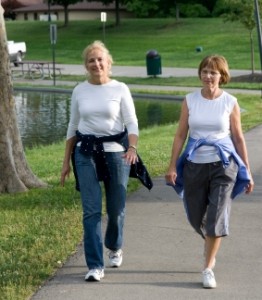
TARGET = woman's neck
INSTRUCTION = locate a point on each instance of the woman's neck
(99, 80)
(211, 93)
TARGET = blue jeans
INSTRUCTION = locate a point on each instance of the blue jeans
(91, 196)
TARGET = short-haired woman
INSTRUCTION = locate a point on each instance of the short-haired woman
(214, 166)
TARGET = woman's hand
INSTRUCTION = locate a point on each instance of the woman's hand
(131, 156)
(250, 186)
(65, 172)
(171, 176)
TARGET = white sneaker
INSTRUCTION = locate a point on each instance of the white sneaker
(94, 275)
(209, 281)
(115, 258)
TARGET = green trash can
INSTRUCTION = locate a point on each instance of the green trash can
(153, 63)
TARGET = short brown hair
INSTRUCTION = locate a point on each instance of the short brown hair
(216, 62)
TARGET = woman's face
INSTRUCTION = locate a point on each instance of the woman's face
(210, 77)
(97, 63)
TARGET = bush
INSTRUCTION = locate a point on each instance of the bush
(194, 11)
(220, 9)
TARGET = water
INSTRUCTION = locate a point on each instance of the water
(43, 117)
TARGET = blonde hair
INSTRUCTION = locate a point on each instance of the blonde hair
(97, 45)
(216, 62)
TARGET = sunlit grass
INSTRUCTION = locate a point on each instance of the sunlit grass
(175, 41)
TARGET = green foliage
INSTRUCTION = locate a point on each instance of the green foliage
(194, 11)
(240, 10)
(143, 8)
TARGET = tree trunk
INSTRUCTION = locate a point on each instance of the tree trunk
(15, 174)
(177, 11)
(117, 12)
(66, 15)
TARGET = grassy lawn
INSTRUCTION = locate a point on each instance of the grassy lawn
(170, 81)
(175, 41)
(39, 229)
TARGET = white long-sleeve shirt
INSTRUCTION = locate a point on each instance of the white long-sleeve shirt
(102, 110)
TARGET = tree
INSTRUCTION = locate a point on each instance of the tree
(242, 11)
(15, 175)
(143, 8)
(117, 7)
(9, 6)
(65, 4)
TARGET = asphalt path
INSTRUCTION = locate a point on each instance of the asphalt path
(134, 71)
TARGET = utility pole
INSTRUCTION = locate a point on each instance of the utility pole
(259, 35)
(258, 30)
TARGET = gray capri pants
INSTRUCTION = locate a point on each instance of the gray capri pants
(207, 196)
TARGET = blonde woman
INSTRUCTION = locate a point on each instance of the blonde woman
(103, 134)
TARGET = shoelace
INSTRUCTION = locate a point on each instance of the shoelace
(208, 274)
(114, 254)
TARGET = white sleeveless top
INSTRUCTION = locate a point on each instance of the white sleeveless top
(209, 119)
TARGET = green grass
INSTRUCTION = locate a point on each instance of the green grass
(168, 81)
(39, 229)
(129, 43)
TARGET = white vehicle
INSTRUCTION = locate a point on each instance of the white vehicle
(16, 51)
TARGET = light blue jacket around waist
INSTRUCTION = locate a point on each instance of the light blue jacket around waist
(225, 149)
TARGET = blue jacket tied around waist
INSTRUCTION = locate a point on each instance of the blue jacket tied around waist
(225, 149)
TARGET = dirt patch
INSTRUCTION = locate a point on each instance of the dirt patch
(255, 78)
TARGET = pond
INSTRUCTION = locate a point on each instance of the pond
(43, 116)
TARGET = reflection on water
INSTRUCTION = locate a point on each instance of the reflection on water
(43, 117)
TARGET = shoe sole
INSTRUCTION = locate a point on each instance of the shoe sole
(92, 279)
(112, 265)
(209, 287)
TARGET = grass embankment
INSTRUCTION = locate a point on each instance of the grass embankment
(176, 41)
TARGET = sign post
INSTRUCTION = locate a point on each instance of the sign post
(53, 38)
(103, 20)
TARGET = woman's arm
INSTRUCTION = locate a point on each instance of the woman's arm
(179, 140)
(67, 158)
(239, 141)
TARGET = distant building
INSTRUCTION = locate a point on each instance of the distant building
(78, 11)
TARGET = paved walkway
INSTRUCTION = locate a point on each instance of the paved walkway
(163, 256)
(141, 71)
